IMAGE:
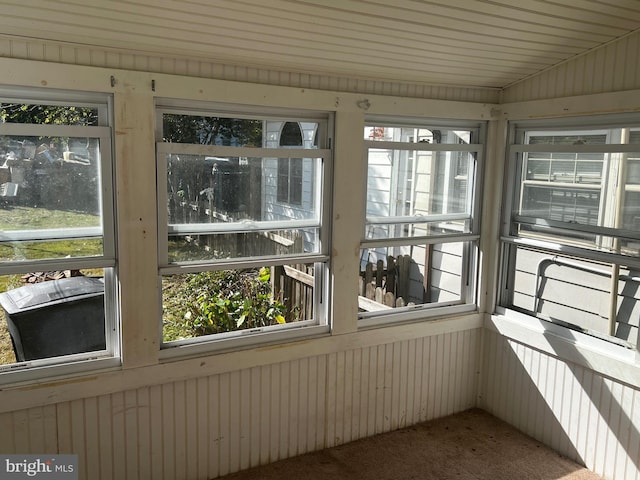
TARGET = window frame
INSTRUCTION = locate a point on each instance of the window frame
(110, 356)
(470, 240)
(511, 240)
(323, 168)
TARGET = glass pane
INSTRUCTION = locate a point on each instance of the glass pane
(16, 251)
(576, 292)
(50, 188)
(418, 134)
(392, 277)
(51, 314)
(224, 301)
(565, 167)
(203, 189)
(48, 114)
(239, 132)
(400, 230)
(564, 204)
(560, 138)
(184, 248)
(410, 183)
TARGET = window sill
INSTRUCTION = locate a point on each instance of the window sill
(21, 374)
(223, 344)
(615, 361)
(419, 313)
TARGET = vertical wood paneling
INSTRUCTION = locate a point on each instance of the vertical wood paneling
(613, 67)
(54, 52)
(589, 418)
(207, 427)
(143, 421)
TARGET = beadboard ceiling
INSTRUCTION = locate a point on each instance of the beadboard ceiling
(479, 43)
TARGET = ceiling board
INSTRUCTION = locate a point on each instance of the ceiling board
(479, 43)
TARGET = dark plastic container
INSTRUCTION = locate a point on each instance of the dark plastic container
(55, 318)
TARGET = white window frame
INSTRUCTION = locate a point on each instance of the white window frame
(519, 132)
(470, 264)
(320, 325)
(89, 361)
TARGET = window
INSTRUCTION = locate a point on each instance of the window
(290, 180)
(419, 245)
(57, 253)
(290, 170)
(237, 264)
(572, 235)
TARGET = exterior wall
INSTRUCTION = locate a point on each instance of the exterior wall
(272, 209)
(207, 426)
(575, 295)
(585, 415)
(611, 68)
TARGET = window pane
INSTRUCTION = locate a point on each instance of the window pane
(48, 114)
(200, 247)
(576, 291)
(392, 277)
(566, 197)
(572, 205)
(560, 138)
(203, 189)
(50, 189)
(238, 132)
(419, 134)
(51, 314)
(16, 251)
(226, 301)
(408, 230)
(206, 130)
(414, 183)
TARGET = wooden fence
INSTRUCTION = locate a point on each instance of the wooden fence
(293, 286)
(252, 244)
(382, 288)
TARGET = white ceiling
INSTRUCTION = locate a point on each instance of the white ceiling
(481, 43)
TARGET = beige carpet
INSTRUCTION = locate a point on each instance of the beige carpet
(468, 446)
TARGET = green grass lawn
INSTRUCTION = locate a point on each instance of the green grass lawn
(18, 218)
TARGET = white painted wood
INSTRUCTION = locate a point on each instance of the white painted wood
(502, 42)
(612, 67)
(590, 418)
(72, 54)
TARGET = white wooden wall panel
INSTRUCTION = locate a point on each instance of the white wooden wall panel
(613, 67)
(78, 55)
(206, 427)
(584, 415)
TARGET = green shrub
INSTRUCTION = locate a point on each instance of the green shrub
(221, 301)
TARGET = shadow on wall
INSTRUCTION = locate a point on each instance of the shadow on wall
(579, 413)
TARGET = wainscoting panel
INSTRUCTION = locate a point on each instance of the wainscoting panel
(201, 428)
(581, 414)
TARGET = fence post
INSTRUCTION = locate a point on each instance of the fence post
(391, 274)
(379, 273)
(368, 278)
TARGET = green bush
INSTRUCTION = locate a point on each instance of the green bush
(222, 301)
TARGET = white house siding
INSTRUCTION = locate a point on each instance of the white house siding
(446, 267)
(613, 67)
(272, 209)
(205, 427)
(591, 418)
(576, 296)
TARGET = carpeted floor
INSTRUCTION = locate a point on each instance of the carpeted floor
(468, 446)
